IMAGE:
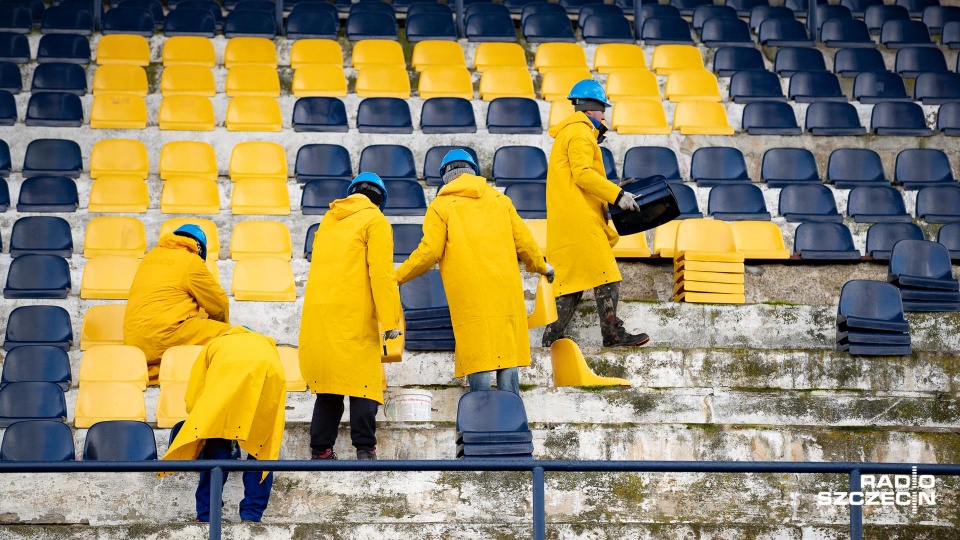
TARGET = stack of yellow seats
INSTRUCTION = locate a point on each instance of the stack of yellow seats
(707, 268)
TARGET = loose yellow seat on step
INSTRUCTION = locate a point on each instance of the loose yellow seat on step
(759, 240)
(120, 79)
(370, 52)
(189, 51)
(172, 404)
(611, 57)
(493, 54)
(126, 49)
(556, 83)
(188, 159)
(260, 197)
(707, 287)
(701, 118)
(319, 81)
(114, 363)
(258, 160)
(664, 238)
(633, 84)
(187, 80)
(639, 117)
(631, 246)
(114, 235)
(190, 196)
(669, 58)
(544, 306)
(709, 277)
(437, 53)
(506, 81)
(290, 358)
(254, 113)
(709, 298)
(119, 195)
(692, 84)
(209, 229)
(707, 266)
(707, 256)
(177, 362)
(538, 228)
(705, 235)
(383, 80)
(108, 278)
(119, 157)
(445, 81)
(118, 111)
(260, 239)
(263, 279)
(560, 110)
(570, 368)
(550, 56)
(253, 80)
(186, 113)
(316, 52)
(102, 325)
(101, 401)
(245, 51)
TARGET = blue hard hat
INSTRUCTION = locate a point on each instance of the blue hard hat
(458, 155)
(196, 233)
(369, 180)
(588, 89)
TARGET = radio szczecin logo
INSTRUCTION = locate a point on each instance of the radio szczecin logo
(906, 490)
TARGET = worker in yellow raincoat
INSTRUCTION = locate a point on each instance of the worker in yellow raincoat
(237, 392)
(351, 286)
(169, 288)
(476, 234)
(579, 240)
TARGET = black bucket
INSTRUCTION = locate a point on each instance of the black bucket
(657, 206)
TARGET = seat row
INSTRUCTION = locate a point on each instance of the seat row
(28, 439)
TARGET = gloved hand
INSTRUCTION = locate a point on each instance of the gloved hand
(391, 334)
(549, 273)
(627, 202)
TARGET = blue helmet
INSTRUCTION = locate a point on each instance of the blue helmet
(196, 233)
(458, 155)
(588, 89)
(369, 181)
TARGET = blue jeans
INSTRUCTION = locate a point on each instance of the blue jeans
(508, 379)
(256, 494)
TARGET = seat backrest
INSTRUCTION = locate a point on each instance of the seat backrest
(849, 62)
(37, 440)
(491, 410)
(424, 292)
(558, 55)
(875, 84)
(190, 22)
(319, 114)
(814, 83)
(876, 16)
(897, 115)
(515, 112)
(911, 61)
(547, 26)
(46, 363)
(308, 241)
(844, 30)
(404, 194)
(792, 164)
(102, 325)
(448, 113)
(119, 157)
(63, 48)
(258, 159)
(188, 159)
(528, 197)
(52, 156)
(53, 77)
(252, 23)
(38, 325)
(855, 164)
(406, 238)
(390, 161)
(938, 200)
(316, 161)
(792, 59)
(922, 164)
(120, 440)
(755, 83)
(904, 31)
(883, 236)
(31, 401)
(936, 86)
(920, 258)
(244, 51)
(41, 235)
(612, 56)
(524, 163)
(807, 199)
(875, 200)
(761, 13)
(490, 27)
(705, 235)
(364, 25)
(437, 53)
(711, 11)
(686, 198)
(757, 236)
(830, 114)
(647, 161)
(666, 29)
(116, 363)
(423, 26)
(769, 114)
(177, 363)
(822, 236)
(669, 58)
(47, 273)
(319, 193)
(736, 198)
(718, 162)
(128, 20)
(948, 235)
(871, 300)
(260, 239)
(384, 112)
(725, 29)
(67, 19)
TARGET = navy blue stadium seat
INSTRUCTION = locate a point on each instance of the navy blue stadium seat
(481, 436)
(712, 166)
(899, 118)
(687, 7)
(939, 204)
(916, 7)
(588, 10)
(48, 194)
(540, 6)
(710, 11)
(816, 241)
(14, 48)
(782, 167)
(665, 30)
(264, 6)
(5, 162)
(790, 60)
(54, 109)
(514, 115)
(31, 401)
(190, 22)
(935, 17)
(205, 5)
(37, 276)
(937, 88)
(737, 202)
(609, 164)
(67, 19)
(311, 24)
(390, 161)
(529, 199)
(372, 7)
(4, 194)
(447, 115)
(426, 6)
(948, 119)
(918, 168)
(406, 198)
(722, 32)
(318, 194)
(252, 23)
(881, 237)
(547, 27)
(852, 62)
(745, 7)
(912, 61)
(120, 440)
(770, 118)
(811, 86)
(322, 161)
(59, 77)
(857, 7)
(406, 238)
(951, 35)
(319, 5)
(37, 440)
(41, 235)
(69, 48)
(876, 204)
(15, 18)
(755, 85)
(784, 33)
(484, 7)
(876, 16)
(650, 9)
(826, 11)
(832, 118)
(574, 6)
(60, 157)
(921, 264)
(800, 7)
(320, 114)
(36, 7)
(519, 164)
(870, 320)
(490, 27)
(128, 20)
(308, 241)
(849, 168)
(686, 201)
(949, 236)
(384, 115)
(729, 60)
(846, 33)
(10, 80)
(370, 25)
(761, 13)
(434, 26)
(647, 161)
(808, 202)
(431, 162)
(403, 6)
(37, 363)
(29, 326)
(153, 6)
(877, 86)
(607, 28)
(905, 33)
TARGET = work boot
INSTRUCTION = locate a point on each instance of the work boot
(629, 340)
(326, 454)
(366, 454)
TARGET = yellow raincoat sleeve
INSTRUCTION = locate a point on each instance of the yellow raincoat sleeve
(383, 279)
(430, 249)
(527, 248)
(580, 154)
(208, 292)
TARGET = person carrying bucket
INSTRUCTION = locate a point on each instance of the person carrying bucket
(476, 234)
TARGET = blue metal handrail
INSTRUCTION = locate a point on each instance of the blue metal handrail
(537, 467)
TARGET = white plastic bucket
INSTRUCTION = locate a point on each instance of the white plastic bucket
(409, 406)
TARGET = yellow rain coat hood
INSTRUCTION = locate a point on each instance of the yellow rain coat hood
(350, 287)
(237, 391)
(476, 234)
(579, 241)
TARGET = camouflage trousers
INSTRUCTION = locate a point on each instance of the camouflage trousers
(607, 297)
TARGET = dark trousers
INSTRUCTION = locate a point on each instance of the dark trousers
(256, 494)
(327, 413)
(607, 297)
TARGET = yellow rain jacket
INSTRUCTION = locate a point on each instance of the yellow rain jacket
(350, 287)
(475, 232)
(579, 241)
(237, 391)
(169, 288)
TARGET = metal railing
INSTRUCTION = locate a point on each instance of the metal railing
(537, 467)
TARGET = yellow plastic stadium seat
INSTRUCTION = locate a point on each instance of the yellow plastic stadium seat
(701, 118)
(669, 58)
(119, 157)
(640, 117)
(315, 52)
(709, 298)
(120, 79)
(369, 52)
(759, 240)
(187, 80)
(116, 236)
(108, 278)
(383, 81)
(538, 228)
(114, 363)
(123, 49)
(445, 81)
(707, 287)
(100, 401)
(209, 229)
(190, 196)
(633, 84)
(253, 80)
(550, 56)
(172, 404)
(544, 305)
(258, 159)
(706, 266)
(177, 362)
(260, 239)
(570, 368)
(121, 195)
(188, 159)
(556, 83)
(186, 113)
(631, 246)
(253, 113)
(506, 81)
(189, 51)
(708, 277)
(321, 80)
(437, 53)
(260, 197)
(102, 325)
(611, 57)
(263, 279)
(118, 111)
(492, 54)
(692, 84)
(290, 359)
(242, 51)
(706, 236)
(665, 238)
(560, 110)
